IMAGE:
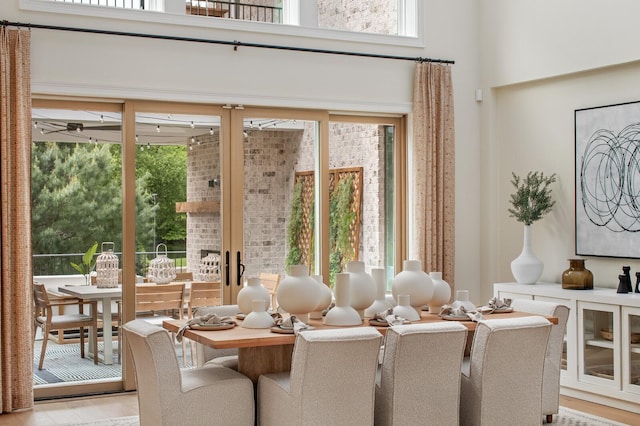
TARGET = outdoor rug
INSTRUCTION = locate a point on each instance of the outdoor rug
(566, 416)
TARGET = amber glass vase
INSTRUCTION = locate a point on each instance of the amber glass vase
(577, 277)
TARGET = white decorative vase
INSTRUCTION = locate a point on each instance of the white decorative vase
(252, 290)
(258, 317)
(298, 293)
(326, 297)
(527, 268)
(362, 289)
(343, 314)
(404, 309)
(412, 280)
(441, 293)
(380, 304)
(462, 299)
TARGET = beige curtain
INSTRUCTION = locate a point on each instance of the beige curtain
(16, 322)
(434, 169)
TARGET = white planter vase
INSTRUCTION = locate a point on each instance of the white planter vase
(462, 299)
(527, 268)
(380, 304)
(253, 290)
(298, 293)
(441, 293)
(412, 280)
(362, 289)
(258, 317)
(326, 297)
(404, 309)
(343, 314)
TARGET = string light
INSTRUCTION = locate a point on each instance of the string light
(35, 124)
(193, 139)
(158, 129)
(193, 125)
(211, 131)
(101, 118)
(137, 139)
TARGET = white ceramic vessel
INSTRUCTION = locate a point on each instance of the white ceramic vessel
(462, 299)
(343, 314)
(404, 309)
(362, 289)
(258, 317)
(251, 291)
(527, 268)
(380, 304)
(412, 280)
(298, 293)
(441, 293)
(326, 297)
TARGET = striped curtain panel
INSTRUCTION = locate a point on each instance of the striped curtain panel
(16, 322)
(433, 165)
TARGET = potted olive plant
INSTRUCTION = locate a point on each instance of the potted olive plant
(529, 203)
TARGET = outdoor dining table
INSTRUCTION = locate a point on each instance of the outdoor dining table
(106, 296)
(261, 351)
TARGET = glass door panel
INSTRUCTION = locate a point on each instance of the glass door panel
(631, 350)
(177, 190)
(77, 206)
(280, 160)
(599, 327)
(361, 200)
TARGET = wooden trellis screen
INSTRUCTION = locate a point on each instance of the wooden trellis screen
(305, 238)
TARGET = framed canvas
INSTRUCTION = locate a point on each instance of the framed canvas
(607, 173)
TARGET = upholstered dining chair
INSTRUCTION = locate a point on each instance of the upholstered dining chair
(45, 318)
(208, 355)
(331, 382)
(425, 360)
(503, 385)
(170, 396)
(553, 358)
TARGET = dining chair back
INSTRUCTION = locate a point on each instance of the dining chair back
(202, 294)
(504, 382)
(48, 321)
(420, 359)
(168, 395)
(184, 276)
(331, 382)
(555, 348)
(270, 282)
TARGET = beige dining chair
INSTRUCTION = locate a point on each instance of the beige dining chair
(331, 382)
(420, 359)
(201, 294)
(170, 396)
(555, 347)
(48, 321)
(503, 382)
(206, 355)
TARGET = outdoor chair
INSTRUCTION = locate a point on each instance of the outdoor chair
(270, 282)
(48, 321)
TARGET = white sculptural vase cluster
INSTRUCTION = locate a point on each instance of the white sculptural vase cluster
(298, 293)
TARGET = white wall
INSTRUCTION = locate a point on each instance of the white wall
(545, 60)
(86, 65)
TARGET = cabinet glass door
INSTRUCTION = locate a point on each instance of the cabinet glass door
(631, 349)
(599, 327)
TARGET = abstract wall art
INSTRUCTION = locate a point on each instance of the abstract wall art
(607, 161)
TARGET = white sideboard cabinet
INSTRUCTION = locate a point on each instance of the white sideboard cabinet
(601, 359)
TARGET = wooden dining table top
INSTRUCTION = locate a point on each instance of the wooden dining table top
(240, 337)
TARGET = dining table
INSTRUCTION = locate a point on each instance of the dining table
(262, 351)
(105, 296)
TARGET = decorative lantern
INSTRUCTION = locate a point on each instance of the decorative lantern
(107, 267)
(162, 270)
(210, 267)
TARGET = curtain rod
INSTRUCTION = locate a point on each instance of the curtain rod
(234, 43)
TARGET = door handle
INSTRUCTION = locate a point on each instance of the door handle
(239, 269)
(226, 268)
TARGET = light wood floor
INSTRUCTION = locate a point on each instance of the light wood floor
(122, 405)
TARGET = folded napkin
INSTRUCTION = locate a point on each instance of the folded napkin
(496, 303)
(207, 319)
(292, 323)
(460, 311)
(389, 317)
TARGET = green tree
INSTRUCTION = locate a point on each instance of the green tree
(77, 197)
